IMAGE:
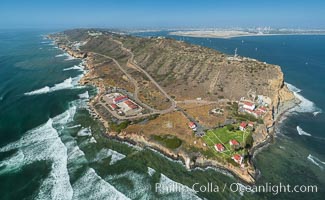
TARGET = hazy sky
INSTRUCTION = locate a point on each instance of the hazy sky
(161, 13)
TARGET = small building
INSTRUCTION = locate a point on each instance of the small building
(113, 106)
(192, 125)
(120, 99)
(249, 111)
(258, 113)
(248, 105)
(238, 158)
(219, 147)
(251, 124)
(233, 142)
(130, 104)
(262, 109)
(243, 126)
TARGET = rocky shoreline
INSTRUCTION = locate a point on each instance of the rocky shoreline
(247, 176)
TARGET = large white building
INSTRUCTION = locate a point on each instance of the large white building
(248, 105)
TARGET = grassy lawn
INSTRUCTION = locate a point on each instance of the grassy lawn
(223, 135)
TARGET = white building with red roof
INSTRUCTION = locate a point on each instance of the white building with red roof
(238, 158)
(130, 104)
(219, 147)
(113, 106)
(233, 142)
(262, 109)
(243, 126)
(192, 125)
(120, 99)
(248, 105)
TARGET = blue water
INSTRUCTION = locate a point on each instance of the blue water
(50, 147)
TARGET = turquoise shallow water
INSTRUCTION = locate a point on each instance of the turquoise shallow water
(50, 148)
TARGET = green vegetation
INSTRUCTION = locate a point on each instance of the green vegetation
(119, 127)
(169, 141)
(223, 136)
(245, 117)
(248, 141)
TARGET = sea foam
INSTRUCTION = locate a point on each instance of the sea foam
(185, 192)
(84, 132)
(84, 95)
(106, 153)
(91, 186)
(141, 184)
(302, 132)
(75, 67)
(68, 83)
(316, 161)
(305, 106)
(43, 144)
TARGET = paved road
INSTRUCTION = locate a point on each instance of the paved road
(131, 61)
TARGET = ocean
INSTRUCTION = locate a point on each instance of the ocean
(51, 148)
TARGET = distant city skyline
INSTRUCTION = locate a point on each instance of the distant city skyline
(162, 13)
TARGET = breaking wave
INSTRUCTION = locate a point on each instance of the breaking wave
(61, 55)
(106, 153)
(151, 171)
(185, 192)
(84, 95)
(92, 186)
(84, 132)
(68, 57)
(302, 132)
(305, 106)
(44, 144)
(141, 184)
(316, 161)
(75, 67)
(66, 84)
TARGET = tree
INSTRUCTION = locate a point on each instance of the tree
(248, 142)
(230, 127)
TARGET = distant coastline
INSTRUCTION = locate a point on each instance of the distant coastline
(226, 34)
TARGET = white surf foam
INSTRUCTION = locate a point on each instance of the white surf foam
(91, 186)
(302, 132)
(74, 152)
(141, 184)
(69, 83)
(219, 170)
(184, 191)
(305, 105)
(75, 67)
(75, 126)
(84, 95)
(316, 161)
(66, 84)
(92, 140)
(84, 132)
(151, 171)
(40, 144)
(70, 57)
(61, 55)
(105, 153)
(13, 163)
(316, 113)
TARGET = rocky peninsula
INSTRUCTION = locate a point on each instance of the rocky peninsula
(185, 101)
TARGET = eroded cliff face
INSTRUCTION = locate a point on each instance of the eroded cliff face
(73, 53)
(280, 95)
